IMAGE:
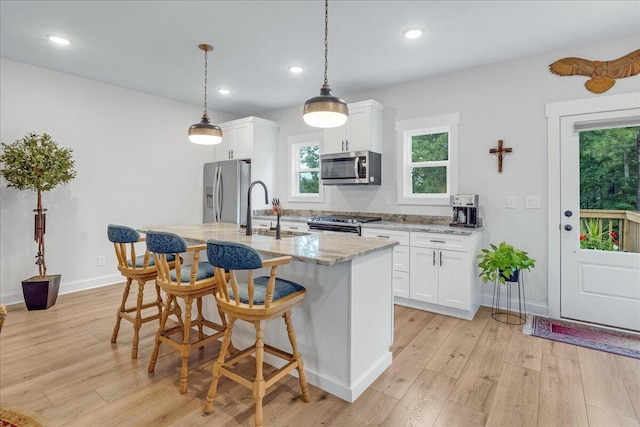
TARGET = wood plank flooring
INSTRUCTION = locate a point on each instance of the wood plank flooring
(60, 367)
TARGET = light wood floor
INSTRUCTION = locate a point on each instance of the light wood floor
(59, 367)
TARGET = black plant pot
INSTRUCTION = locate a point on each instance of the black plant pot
(41, 293)
(514, 276)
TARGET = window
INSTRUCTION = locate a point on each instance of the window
(305, 168)
(428, 160)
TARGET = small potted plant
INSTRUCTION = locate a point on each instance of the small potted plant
(36, 163)
(503, 263)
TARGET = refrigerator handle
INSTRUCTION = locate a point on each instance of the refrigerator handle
(215, 194)
(219, 194)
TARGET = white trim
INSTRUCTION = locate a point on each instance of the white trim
(442, 123)
(293, 196)
(67, 288)
(554, 113)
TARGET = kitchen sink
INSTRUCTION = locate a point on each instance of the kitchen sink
(283, 234)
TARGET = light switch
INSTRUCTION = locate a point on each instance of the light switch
(532, 202)
(511, 202)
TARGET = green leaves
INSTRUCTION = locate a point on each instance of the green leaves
(500, 262)
(36, 163)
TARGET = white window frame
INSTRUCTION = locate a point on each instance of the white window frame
(295, 143)
(405, 129)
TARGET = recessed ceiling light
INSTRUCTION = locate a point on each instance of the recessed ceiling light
(224, 91)
(296, 69)
(58, 40)
(413, 33)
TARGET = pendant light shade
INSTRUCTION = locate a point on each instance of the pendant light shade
(205, 132)
(325, 110)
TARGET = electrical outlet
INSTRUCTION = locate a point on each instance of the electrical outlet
(387, 200)
(511, 202)
(101, 260)
(532, 202)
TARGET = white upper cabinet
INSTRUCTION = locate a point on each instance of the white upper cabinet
(255, 139)
(238, 137)
(363, 130)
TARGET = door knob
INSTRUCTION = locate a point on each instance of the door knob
(568, 214)
(568, 227)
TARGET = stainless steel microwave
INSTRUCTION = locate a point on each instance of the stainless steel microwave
(355, 167)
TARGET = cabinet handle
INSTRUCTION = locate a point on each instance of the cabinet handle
(434, 257)
(437, 241)
(347, 141)
(384, 237)
(293, 228)
(440, 259)
(343, 145)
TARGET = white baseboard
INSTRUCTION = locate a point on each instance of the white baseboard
(533, 307)
(16, 297)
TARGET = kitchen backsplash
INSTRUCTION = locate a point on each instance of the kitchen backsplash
(409, 219)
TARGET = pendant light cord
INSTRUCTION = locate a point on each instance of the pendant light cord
(326, 42)
(206, 57)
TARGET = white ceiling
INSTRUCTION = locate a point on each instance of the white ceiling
(151, 46)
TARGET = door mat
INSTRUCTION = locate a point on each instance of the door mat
(611, 341)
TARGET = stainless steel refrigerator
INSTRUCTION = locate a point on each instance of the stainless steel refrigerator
(226, 185)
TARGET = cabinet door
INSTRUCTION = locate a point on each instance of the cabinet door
(334, 139)
(454, 279)
(236, 142)
(401, 284)
(359, 129)
(424, 275)
(223, 150)
(242, 141)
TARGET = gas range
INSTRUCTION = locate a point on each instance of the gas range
(341, 223)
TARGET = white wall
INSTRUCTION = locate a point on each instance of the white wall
(135, 166)
(501, 101)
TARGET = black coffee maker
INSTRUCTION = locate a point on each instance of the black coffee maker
(465, 210)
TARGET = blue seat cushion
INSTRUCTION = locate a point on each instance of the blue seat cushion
(152, 261)
(205, 271)
(283, 288)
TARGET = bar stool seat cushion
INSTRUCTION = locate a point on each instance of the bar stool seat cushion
(205, 271)
(283, 288)
(152, 261)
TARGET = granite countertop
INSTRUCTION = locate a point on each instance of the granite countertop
(390, 225)
(317, 248)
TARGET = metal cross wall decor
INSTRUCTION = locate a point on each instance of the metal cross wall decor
(500, 152)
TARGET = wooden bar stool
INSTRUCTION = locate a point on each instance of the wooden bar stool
(139, 268)
(191, 283)
(256, 301)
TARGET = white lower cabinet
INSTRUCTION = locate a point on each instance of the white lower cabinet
(434, 271)
(441, 277)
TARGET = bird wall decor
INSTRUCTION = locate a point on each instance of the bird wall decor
(602, 73)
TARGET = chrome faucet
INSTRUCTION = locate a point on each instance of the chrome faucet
(266, 201)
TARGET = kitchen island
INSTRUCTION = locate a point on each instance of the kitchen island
(344, 327)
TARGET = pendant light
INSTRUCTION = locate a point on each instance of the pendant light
(205, 133)
(325, 110)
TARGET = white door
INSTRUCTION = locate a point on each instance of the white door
(424, 275)
(454, 279)
(597, 285)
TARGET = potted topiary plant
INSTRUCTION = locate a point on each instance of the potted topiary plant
(503, 263)
(36, 163)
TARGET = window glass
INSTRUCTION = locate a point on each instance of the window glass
(430, 147)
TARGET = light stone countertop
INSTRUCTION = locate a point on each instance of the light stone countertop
(389, 225)
(317, 248)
